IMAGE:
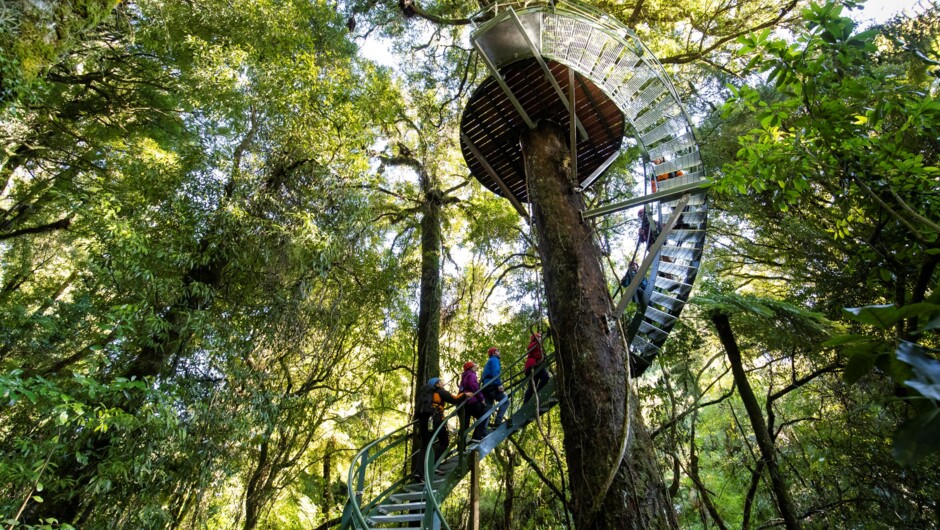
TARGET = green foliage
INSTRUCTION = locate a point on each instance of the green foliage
(907, 363)
(33, 38)
(848, 130)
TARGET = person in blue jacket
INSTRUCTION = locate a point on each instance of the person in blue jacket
(493, 389)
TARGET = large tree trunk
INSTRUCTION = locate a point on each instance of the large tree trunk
(764, 441)
(429, 310)
(429, 305)
(591, 358)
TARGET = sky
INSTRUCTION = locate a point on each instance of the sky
(882, 10)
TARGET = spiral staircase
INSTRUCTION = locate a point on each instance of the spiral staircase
(586, 71)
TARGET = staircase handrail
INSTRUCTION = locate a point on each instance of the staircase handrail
(430, 498)
(355, 480)
(354, 497)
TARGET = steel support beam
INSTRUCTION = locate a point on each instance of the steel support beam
(502, 84)
(659, 196)
(586, 183)
(650, 256)
(548, 73)
(492, 173)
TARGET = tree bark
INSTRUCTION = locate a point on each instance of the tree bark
(764, 440)
(429, 310)
(429, 304)
(591, 360)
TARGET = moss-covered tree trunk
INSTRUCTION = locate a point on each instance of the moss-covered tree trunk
(591, 362)
(429, 304)
(429, 309)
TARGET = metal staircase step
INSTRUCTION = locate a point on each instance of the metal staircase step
(681, 269)
(419, 486)
(696, 199)
(387, 509)
(642, 347)
(693, 218)
(678, 289)
(447, 466)
(665, 301)
(652, 332)
(660, 317)
(400, 518)
(684, 235)
(407, 496)
(686, 253)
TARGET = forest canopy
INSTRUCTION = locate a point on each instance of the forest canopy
(232, 247)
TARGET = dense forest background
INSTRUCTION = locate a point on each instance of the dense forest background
(225, 235)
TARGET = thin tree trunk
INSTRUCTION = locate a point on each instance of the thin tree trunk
(328, 476)
(254, 489)
(510, 489)
(751, 494)
(702, 490)
(762, 435)
(591, 360)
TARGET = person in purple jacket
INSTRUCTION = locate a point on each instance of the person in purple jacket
(473, 407)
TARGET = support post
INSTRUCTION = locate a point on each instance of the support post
(492, 173)
(574, 122)
(502, 84)
(653, 251)
(474, 491)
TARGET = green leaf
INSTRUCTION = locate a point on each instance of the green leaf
(933, 324)
(880, 316)
(919, 309)
(926, 371)
(37, 498)
(839, 340)
(917, 439)
(857, 367)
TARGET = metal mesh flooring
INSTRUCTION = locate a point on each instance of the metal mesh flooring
(492, 124)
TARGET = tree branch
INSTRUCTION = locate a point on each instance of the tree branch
(61, 224)
(685, 58)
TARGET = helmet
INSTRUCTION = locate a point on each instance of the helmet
(492, 351)
(468, 365)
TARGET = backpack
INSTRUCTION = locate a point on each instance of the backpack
(424, 402)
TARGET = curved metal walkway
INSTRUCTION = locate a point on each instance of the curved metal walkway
(537, 55)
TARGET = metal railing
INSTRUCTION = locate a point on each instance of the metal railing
(515, 383)
(359, 509)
